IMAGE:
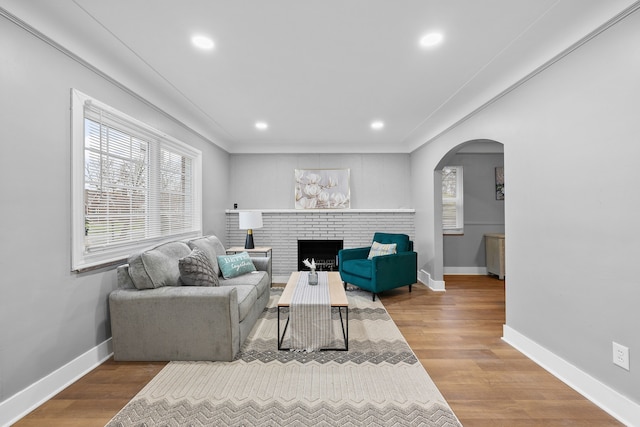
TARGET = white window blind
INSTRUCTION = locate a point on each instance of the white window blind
(452, 200)
(132, 185)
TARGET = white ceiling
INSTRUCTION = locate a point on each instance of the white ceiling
(317, 71)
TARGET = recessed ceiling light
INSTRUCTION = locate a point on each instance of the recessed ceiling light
(377, 125)
(261, 125)
(431, 39)
(202, 42)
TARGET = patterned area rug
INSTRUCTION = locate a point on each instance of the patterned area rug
(378, 382)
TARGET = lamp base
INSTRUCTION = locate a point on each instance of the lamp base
(248, 243)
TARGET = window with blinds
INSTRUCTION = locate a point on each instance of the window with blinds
(133, 186)
(452, 200)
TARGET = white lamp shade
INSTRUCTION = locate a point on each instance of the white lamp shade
(250, 220)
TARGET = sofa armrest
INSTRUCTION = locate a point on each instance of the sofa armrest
(263, 264)
(353, 253)
(175, 323)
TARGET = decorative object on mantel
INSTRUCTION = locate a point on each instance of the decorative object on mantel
(499, 183)
(249, 220)
(322, 189)
(313, 276)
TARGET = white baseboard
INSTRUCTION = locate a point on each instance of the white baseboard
(25, 401)
(612, 402)
(468, 271)
(434, 285)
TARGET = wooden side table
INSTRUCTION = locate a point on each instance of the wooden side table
(494, 248)
(266, 251)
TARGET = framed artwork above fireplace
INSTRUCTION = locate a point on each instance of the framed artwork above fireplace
(322, 189)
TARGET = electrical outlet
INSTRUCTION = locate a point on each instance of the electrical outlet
(621, 355)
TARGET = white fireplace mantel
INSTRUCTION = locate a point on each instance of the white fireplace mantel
(307, 211)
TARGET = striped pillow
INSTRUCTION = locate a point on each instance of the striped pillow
(378, 249)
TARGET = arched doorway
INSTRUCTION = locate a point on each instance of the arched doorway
(462, 251)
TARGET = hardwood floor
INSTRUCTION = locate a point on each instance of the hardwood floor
(457, 337)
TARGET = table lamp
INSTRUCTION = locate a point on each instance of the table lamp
(249, 220)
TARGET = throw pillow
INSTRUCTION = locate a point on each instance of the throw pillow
(235, 265)
(196, 270)
(378, 249)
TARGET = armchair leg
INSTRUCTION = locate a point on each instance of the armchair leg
(410, 288)
(374, 295)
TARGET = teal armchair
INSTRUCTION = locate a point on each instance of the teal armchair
(382, 272)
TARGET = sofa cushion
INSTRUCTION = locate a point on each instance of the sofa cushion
(401, 240)
(235, 265)
(247, 297)
(212, 247)
(379, 249)
(258, 279)
(196, 270)
(358, 267)
(157, 267)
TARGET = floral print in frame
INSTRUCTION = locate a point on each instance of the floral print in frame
(322, 189)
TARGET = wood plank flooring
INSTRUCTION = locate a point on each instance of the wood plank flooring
(457, 337)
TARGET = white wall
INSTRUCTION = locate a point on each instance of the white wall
(571, 170)
(266, 181)
(50, 316)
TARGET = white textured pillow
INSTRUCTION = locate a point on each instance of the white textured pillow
(378, 249)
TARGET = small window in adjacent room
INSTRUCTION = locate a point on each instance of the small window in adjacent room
(452, 200)
(133, 186)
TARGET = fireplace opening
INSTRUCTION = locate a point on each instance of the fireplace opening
(324, 252)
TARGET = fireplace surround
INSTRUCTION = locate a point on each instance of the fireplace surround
(324, 252)
(282, 228)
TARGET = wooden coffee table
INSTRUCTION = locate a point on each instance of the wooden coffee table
(337, 298)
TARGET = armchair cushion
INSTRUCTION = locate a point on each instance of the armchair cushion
(378, 249)
(359, 267)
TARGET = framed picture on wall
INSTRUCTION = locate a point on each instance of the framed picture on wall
(322, 189)
(500, 183)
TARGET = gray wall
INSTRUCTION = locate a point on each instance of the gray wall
(50, 316)
(564, 131)
(260, 181)
(482, 212)
(571, 155)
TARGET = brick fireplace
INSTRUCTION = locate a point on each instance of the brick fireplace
(283, 228)
(323, 252)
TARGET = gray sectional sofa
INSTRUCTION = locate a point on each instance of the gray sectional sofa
(155, 317)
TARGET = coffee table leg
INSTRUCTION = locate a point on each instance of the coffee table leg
(345, 331)
(278, 328)
(284, 331)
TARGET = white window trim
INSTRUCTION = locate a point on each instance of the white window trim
(459, 201)
(80, 259)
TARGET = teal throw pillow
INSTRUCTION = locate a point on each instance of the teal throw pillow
(235, 265)
(378, 249)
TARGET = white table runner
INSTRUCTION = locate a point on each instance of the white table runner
(310, 314)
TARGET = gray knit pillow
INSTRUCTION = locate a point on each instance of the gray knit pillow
(196, 270)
